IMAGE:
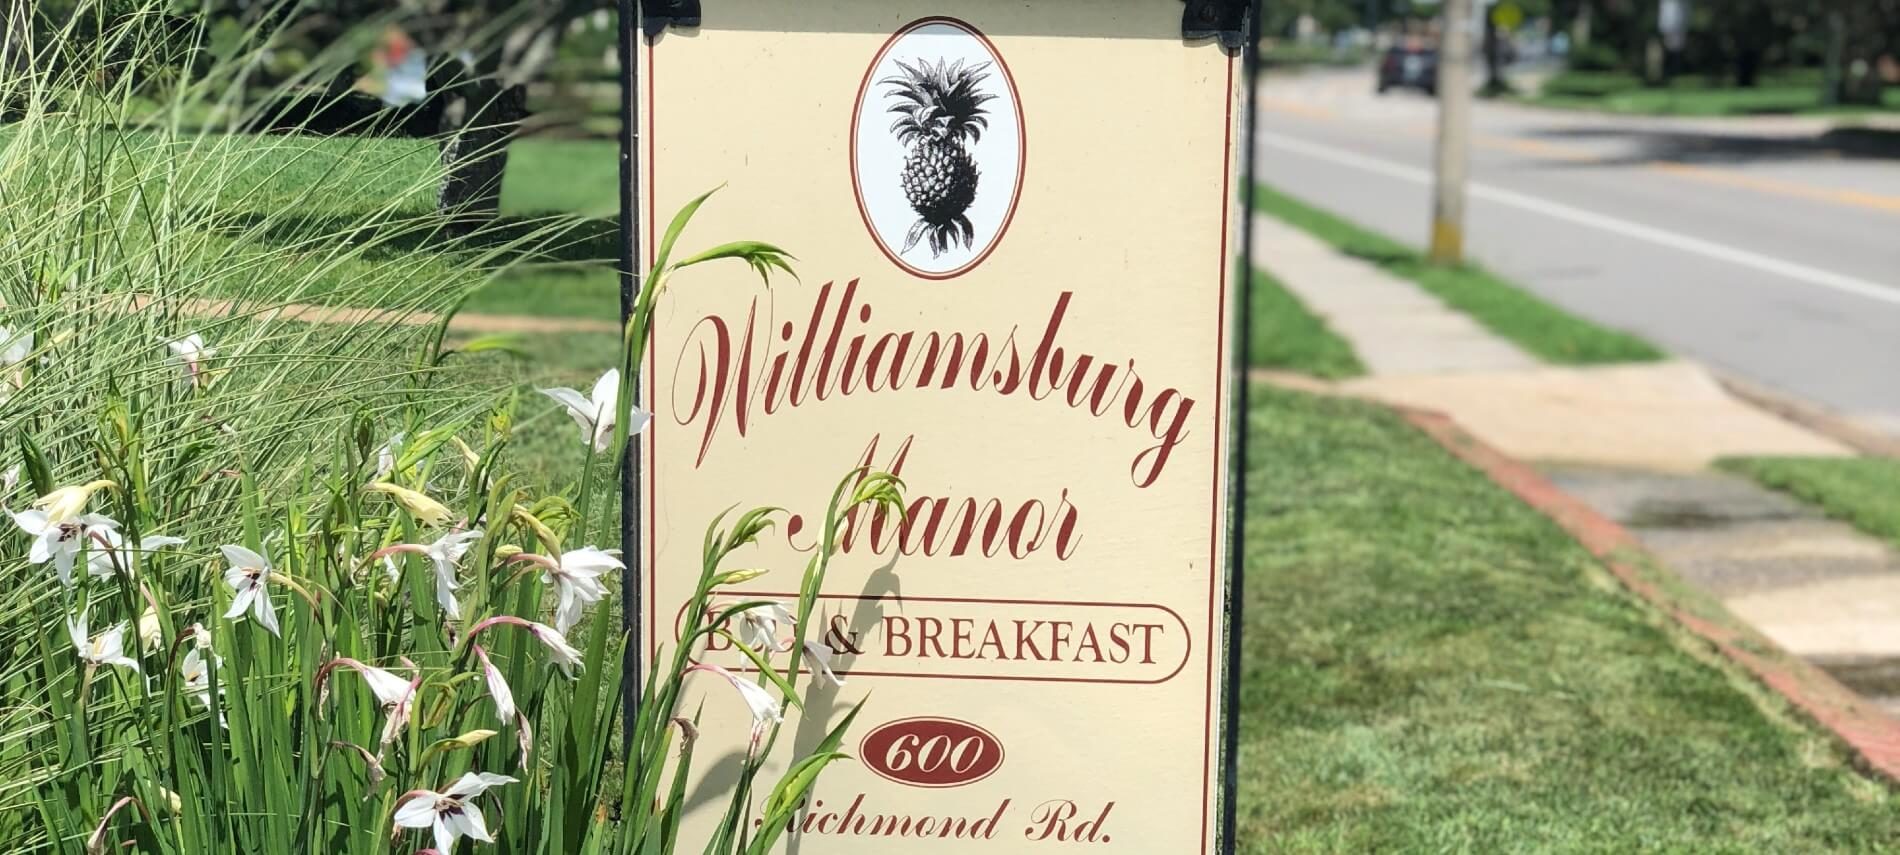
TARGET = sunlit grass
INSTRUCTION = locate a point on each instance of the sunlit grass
(1432, 666)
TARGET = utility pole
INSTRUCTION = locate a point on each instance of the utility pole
(1454, 133)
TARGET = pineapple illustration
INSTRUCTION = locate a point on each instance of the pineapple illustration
(941, 114)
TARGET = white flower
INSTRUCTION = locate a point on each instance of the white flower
(577, 578)
(395, 695)
(15, 347)
(201, 636)
(195, 671)
(106, 649)
(386, 457)
(445, 553)
(450, 813)
(191, 353)
(9, 480)
(818, 655)
(765, 710)
(562, 654)
(759, 625)
(249, 578)
(596, 416)
(60, 542)
(103, 562)
(497, 687)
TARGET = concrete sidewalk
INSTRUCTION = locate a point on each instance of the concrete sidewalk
(1818, 588)
(1395, 327)
(1421, 353)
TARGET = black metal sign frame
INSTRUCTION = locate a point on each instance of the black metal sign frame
(1236, 24)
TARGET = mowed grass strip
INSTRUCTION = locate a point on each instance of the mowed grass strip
(1778, 93)
(1287, 336)
(1431, 666)
(1540, 328)
(569, 186)
(1861, 491)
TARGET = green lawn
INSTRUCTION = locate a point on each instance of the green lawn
(1506, 309)
(563, 177)
(1432, 667)
(1623, 92)
(1287, 336)
(1861, 491)
(569, 185)
(1294, 55)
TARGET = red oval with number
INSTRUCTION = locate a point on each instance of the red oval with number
(931, 752)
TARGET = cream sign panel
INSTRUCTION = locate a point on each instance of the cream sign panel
(1011, 222)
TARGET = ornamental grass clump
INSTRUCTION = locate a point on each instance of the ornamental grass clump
(270, 580)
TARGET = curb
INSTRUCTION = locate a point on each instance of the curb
(1818, 419)
(1872, 736)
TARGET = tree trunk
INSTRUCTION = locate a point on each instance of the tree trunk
(1494, 84)
(1862, 88)
(478, 121)
(1748, 67)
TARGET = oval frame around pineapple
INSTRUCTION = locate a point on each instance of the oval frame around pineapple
(932, 241)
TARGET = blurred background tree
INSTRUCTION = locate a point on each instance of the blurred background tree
(487, 66)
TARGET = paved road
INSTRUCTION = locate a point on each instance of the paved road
(1765, 247)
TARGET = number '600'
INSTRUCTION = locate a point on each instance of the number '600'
(932, 752)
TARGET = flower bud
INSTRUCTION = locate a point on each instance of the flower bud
(66, 503)
(426, 511)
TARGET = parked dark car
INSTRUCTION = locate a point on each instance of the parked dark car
(1409, 67)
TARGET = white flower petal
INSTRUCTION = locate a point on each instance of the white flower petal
(469, 822)
(445, 834)
(31, 522)
(63, 562)
(607, 395)
(243, 558)
(266, 614)
(418, 811)
(589, 561)
(498, 689)
(577, 407)
(240, 603)
(42, 549)
(819, 655)
(389, 688)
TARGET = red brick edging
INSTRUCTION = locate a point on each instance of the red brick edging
(1873, 736)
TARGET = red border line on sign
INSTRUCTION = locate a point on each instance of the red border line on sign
(653, 350)
(1220, 466)
(1022, 147)
(1186, 655)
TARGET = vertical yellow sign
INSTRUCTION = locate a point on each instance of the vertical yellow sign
(1012, 223)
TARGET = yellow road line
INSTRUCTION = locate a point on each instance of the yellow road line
(1731, 178)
